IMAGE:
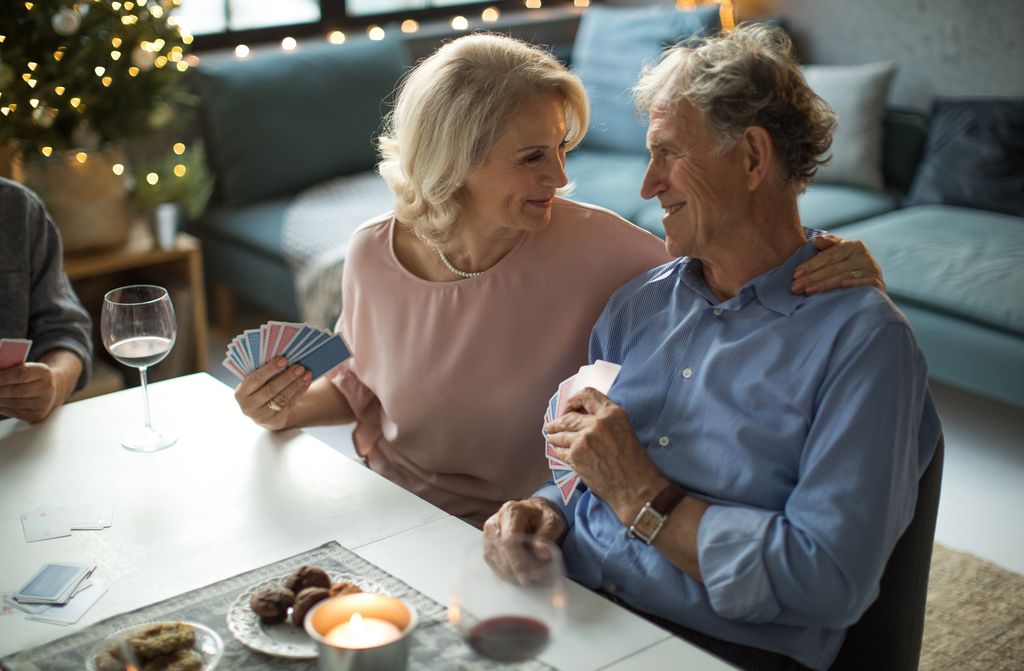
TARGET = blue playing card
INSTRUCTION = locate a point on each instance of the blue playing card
(326, 356)
(315, 340)
(297, 342)
(252, 342)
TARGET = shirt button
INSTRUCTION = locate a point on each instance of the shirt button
(663, 441)
(718, 312)
(687, 373)
(611, 588)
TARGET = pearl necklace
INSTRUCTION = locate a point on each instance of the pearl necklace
(449, 266)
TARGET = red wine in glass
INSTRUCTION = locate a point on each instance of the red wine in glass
(509, 638)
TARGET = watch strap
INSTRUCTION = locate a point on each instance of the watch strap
(668, 498)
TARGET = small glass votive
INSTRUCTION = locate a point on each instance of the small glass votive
(362, 632)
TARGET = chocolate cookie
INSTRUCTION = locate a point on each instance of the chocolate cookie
(345, 587)
(307, 576)
(305, 600)
(161, 638)
(272, 604)
(179, 660)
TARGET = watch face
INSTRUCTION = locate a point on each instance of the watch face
(647, 524)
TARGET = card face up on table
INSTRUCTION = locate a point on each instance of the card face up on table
(316, 349)
(600, 375)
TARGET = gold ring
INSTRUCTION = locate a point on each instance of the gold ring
(273, 405)
(856, 274)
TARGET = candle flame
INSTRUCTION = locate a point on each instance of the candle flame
(357, 622)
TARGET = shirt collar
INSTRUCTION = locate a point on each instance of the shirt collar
(771, 288)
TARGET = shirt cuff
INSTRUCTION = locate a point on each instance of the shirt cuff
(550, 492)
(731, 550)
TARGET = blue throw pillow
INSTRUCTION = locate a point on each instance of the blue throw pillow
(611, 47)
(974, 156)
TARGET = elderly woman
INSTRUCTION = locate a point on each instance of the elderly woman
(466, 306)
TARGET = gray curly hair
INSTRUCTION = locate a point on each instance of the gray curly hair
(746, 77)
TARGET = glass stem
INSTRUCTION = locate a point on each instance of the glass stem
(145, 396)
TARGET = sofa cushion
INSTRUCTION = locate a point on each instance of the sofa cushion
(974, 156)
(612, 44)
(257, 227)
(280, 121)
(607, 178)
(828, 206)
(962, 262)
(856, 93)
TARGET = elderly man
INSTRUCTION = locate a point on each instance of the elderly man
(758, 456)
(37, 302)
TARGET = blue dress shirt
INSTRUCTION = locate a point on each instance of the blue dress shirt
(805, 421)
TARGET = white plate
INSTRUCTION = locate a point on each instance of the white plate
(208, 644)
(284, 639)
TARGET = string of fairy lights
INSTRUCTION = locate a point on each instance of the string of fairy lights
(376, 32)
(146, 55)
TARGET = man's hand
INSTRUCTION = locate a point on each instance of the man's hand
(268, 394)
(594, 436)
(504, 549)
(841, 264)
(32, 390)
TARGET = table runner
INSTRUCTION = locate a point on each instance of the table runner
(435, 643)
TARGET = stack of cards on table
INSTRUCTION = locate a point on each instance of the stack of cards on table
(316, 349)
(59, 593)
(13, 351)
(47, 522)
(600, 375)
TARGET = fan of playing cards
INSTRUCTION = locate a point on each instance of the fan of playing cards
(600, 375)
(316, 349)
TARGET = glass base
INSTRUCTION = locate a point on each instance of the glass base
(147, 439)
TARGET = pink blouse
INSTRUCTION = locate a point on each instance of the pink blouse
(449, 380)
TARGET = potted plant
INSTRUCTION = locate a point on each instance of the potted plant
(174, 187)
(77, 78)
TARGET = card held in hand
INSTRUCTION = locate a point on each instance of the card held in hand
(316, 349)
(601, 376)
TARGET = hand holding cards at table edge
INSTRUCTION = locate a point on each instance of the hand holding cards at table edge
(595, 437)
(268, 394)
(31, 390)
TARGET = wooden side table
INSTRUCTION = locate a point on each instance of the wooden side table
(139, 260)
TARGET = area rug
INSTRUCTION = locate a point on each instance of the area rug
(974, 617)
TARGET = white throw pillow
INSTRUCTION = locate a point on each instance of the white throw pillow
(856, 93)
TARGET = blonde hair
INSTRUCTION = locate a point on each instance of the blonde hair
(450, 110)
(746, 77)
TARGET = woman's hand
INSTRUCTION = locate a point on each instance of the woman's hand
(841, 264)
(268, 394)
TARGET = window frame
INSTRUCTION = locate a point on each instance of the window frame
(333, 16)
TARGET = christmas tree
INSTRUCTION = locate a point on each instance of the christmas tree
(79, 74)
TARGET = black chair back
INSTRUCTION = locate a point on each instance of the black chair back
(888, 636)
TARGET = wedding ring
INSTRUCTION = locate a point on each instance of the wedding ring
(856, 274)
(273, 405)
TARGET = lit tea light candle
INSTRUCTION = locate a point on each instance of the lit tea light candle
(363, 632)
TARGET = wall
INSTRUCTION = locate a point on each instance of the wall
(961, 48)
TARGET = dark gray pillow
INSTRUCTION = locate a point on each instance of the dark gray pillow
(974, 156)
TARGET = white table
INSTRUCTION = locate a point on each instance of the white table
(229, 497)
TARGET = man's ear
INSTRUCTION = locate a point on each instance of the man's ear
(758, 155)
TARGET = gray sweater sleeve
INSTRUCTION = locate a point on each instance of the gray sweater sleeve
(36, 298)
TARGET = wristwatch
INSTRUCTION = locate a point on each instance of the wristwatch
(653, 515)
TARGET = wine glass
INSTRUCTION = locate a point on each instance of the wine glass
(509, 618)
(138, 328)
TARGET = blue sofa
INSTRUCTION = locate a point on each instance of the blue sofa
(279, 123)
